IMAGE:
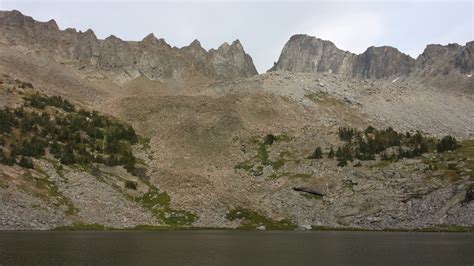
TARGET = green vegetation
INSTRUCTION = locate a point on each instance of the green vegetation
(346, 133)
(311, 196)
(262, 154)
(283, 137)
(344, 154)
(246, 165)
(73, 137)
(331, 153)
(7, 120)
(317, 153)
(262, 157)
(25, 162)
(131, 185)
(23, 84)
(447, 143)
(453, 165)
(40, 102)
(269, 139)
(52, 192)
(388, 143)
(158, 203)
(252, 219)
(52, 127)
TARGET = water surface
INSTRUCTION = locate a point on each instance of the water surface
(235, 248)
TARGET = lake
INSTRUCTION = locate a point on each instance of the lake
(235, 248)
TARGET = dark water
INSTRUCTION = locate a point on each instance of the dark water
(235, 248)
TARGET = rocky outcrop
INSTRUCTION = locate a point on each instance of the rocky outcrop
(151, 57)
(465, 58)
(303, 53)
(382, 62)
(437, 59)
(231, 60)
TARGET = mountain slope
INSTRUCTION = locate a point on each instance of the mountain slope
(245, 152)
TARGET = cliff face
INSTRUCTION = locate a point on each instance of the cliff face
(303, 53)
(382, 62)
(151, 57)
(465, 58)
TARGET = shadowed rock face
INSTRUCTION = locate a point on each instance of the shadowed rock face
(151, 57)
(382, 62)
(465, 58)
(303, 53)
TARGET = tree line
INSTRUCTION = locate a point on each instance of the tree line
(72, 136)
(387, 143)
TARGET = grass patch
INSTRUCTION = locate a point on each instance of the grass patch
(317, 97)
(144, 142)
(283, 137)
(311, 196)
(251, 219)
(277, 164)
(246, 165)
(258, 171)
(52, 192)
(454, 164)
(158, 204)
(262, 154)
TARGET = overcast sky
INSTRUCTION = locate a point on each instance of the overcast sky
(263, 27)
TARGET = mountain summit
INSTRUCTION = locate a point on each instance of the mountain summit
(304, 53)
(125, 60)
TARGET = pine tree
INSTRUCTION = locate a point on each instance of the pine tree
(25, 162)
(448, 143)
(331, 153)
(317, 154)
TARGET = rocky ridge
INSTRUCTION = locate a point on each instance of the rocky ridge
(125, 60)
(304, 53)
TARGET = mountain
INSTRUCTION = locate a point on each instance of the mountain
(303, 53)
(125, 60)
(110, 133)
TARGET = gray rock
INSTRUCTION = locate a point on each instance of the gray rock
(151, 57)
(303, 53)
(304, 227)
(382, 62)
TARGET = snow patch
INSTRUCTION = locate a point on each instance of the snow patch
(470, 75)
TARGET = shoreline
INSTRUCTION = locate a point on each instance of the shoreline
(143, 228)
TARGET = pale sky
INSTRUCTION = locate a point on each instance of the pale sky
(263, 27)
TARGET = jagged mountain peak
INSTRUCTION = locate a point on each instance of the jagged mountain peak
(196, 43)
(150, 38)
(151, 41)
(113, 37)
(125, 60)
(304, 53)
(237, 44)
